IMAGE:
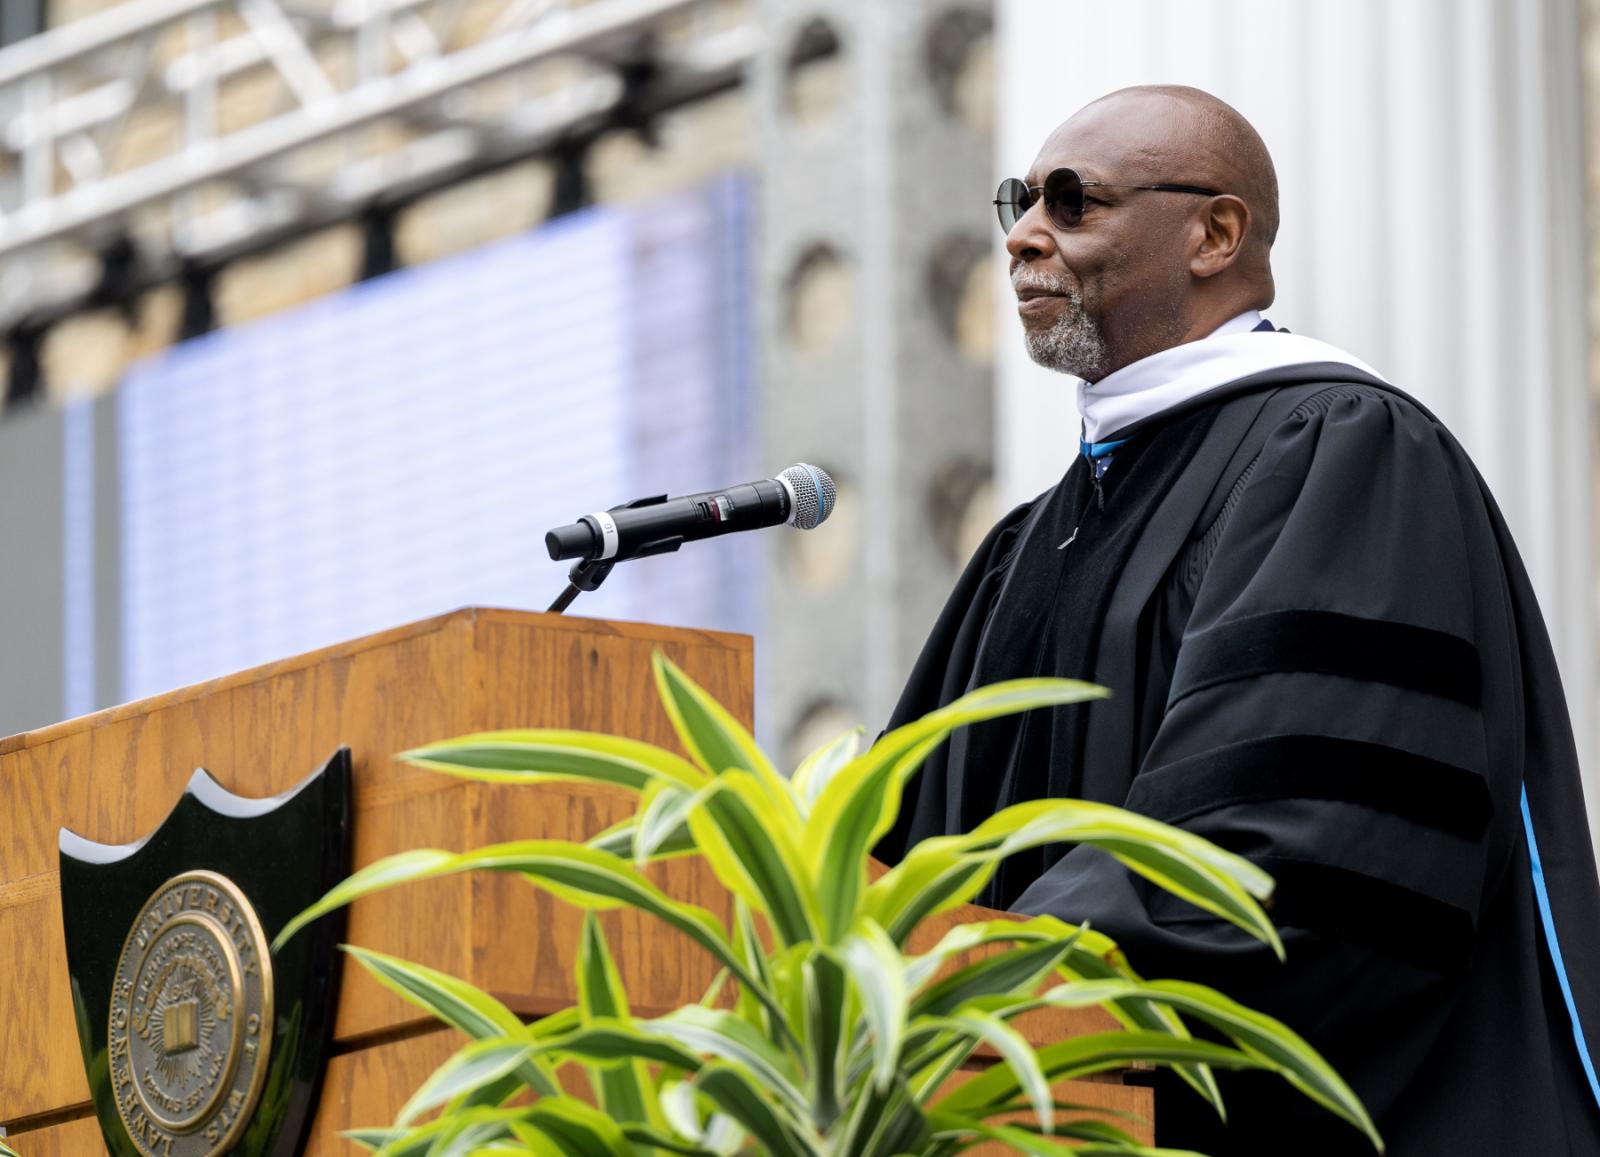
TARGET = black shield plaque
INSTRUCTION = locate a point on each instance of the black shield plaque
(196, 1038)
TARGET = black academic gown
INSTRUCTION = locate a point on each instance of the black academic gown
(1325, 655)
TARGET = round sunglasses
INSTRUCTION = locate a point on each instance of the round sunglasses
(1063, 196)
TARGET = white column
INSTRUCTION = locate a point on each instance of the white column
(1429, 159)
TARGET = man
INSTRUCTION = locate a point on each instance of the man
(1324, 655)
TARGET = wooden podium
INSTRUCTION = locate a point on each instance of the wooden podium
(115, 775)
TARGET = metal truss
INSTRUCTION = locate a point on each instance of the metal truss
(204, 128)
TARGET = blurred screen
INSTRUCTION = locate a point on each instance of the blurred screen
(399, 449)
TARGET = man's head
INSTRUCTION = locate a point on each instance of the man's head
(1145, 270)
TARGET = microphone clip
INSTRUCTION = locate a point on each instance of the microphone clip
(586, 575)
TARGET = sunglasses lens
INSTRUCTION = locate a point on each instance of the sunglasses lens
(1012, 201)
(1063, 197)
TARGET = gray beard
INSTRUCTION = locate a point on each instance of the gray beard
(1073, 345)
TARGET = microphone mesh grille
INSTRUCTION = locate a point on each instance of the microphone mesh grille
(814, 495)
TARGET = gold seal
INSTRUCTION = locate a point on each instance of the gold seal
(191, 1018)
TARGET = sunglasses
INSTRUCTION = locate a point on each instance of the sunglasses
(1063, 196)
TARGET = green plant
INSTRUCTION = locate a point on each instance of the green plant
(828, 1038)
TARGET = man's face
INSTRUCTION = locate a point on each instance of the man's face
(1111, 289)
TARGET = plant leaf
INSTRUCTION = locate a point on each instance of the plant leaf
(724, 1136)
(888, 1121)
(474, 1065)
(1094, 956)
(818, 768)
(418, 864)
(580, 1130)
(713, 737)
(535, 1142)
(619, 840)
(1023, 1140)
(1093, 1053)
(1004, 698)
(878, 973)
(646, 1138)
(1020, 969)
(935, 876)
(747, 942)
(558, 1023)
(677, 1100)
(860, 802)
(458, 1004)
(1089, 1130)
(721, 1135)
(583, 876)
(737, 1096)
(827, 992)
(456, 1131)
(452, 1000)
(552, 756)
(369, 1138)
(623, 1090)
(1179, 861)
(619, 1042)
(720, 1034)
(393, 1142)
(587, 877)
(463, 1136)
(847, 823)
(1016, 1052)
(1183, 863)
(748, 843)
(1258, 1035)
(663, 821)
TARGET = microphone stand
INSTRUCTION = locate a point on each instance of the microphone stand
(586, 575)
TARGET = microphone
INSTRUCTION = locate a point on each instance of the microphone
(802, 496)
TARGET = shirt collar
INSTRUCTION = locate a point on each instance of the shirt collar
(1169, 377)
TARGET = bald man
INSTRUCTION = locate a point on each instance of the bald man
(1324, 655)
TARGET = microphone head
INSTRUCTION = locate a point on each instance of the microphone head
(811, 495)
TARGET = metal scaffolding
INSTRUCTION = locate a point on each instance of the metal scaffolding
(201, 129)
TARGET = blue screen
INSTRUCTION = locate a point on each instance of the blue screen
(399, 449)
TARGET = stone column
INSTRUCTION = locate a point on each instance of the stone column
(875, 226)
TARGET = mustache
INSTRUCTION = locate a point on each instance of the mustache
(1024, 278)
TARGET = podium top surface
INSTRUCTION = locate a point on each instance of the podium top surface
(463, 619)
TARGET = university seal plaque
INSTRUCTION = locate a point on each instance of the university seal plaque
(191, 1010)
(197, 1040)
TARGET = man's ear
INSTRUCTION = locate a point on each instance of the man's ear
(1221, 228)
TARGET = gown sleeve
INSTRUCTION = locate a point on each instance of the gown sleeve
(1338, 714)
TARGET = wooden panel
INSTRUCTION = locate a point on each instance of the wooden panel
(367, 1088)
(113, 777)
(41, 1068)
(75, 1138)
